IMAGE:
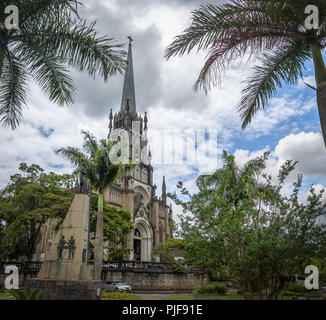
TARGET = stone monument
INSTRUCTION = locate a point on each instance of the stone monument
(65, 273)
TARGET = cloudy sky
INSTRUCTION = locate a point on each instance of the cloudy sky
(289, 127)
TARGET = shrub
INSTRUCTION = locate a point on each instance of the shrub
(178, 267)
(115, 295)
(27, 294)
(295, 287)
(290, 293)
(219, 276)
(212, 288)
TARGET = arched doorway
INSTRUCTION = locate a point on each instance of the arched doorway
(143, 239)
(137, 245)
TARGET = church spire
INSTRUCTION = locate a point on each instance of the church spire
(128, 94)
(164, 191)
(110, 123)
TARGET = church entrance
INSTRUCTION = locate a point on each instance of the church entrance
(137, 249)
(142, 241)
(137, 245)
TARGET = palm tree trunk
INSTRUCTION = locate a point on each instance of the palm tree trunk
(320, 74)
(98, 250)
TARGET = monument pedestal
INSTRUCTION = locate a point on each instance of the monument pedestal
(65, 274)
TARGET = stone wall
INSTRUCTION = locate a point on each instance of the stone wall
(158, 280)
(142, 280)
(65, 290)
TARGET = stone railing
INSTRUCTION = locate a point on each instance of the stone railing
(143, 265)
(30, 267)
(26, 267)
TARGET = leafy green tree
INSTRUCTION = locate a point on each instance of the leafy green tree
(166, 251)
(241, 223)
(117, 254)
(26, 203)
(117, 224)
(274, 31)
(176, 244)
(51, 39)
(101, 173)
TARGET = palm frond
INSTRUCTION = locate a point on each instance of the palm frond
(90, 144)
(51, 38)
(36, 9)
(212, 22)
(283, 65)
(231, 31)
(74, 155)
(51, 75)
(77, 44)
(13, 91)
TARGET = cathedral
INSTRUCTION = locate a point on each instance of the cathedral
(136, 192)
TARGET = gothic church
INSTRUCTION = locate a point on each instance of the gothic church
(135, 193)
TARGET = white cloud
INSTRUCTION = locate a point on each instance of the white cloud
(165, 90)
(307, 148)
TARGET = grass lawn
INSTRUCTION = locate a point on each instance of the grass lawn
(180, 297)
(4, 295)
(228, 296)
(232, 296)
(130, 297)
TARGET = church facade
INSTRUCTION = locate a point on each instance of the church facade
(135, 193)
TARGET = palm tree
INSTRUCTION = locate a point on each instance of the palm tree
(271, 30)
(101, 173)
(235, 184)
(51, 38)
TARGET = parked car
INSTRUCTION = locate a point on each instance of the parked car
(298, 279)
(110, 265)
(324, 289)
(116, 285)
(155, 265)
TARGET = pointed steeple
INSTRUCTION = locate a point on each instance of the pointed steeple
(149, 156)
(110, 123)
(128, 94)
(164, 190)
(145, 121)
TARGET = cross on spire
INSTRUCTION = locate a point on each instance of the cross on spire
(130, 40)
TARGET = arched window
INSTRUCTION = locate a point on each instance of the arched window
(137, 233)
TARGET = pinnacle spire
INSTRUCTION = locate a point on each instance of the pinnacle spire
(128, 94)
(110, 123)
(164, 190)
